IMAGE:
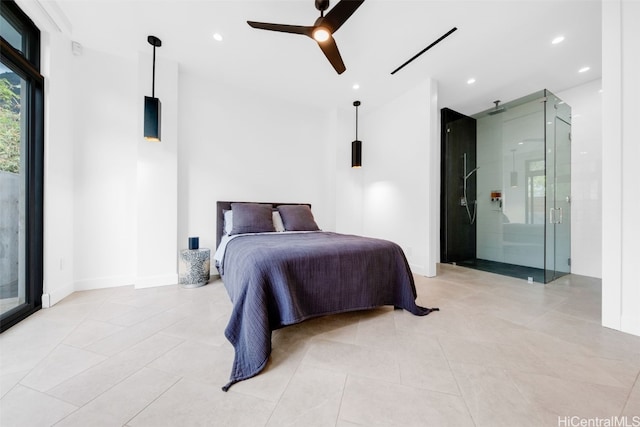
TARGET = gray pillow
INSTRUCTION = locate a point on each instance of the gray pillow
(251, 218)
(297, 218)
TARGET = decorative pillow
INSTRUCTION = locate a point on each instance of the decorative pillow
(251, 218)
(228, 221)
(297, 218)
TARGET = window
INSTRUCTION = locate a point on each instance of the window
(21, 166)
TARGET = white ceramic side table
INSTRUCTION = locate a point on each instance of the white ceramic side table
(194, 267)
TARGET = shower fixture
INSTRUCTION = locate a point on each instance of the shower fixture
(498, 109)
(464, 201)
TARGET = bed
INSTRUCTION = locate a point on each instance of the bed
(279, 269)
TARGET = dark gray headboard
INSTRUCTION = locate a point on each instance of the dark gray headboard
(225, 206)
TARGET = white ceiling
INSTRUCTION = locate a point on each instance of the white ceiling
(505, 45)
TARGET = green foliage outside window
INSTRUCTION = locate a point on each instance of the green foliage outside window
(9, 127)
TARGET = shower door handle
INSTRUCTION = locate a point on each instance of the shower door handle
(553, 218)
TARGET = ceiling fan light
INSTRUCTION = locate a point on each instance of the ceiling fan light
(321, 34)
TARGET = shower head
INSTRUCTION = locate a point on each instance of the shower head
(498, 109)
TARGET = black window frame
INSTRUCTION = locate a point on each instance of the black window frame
(26, 64)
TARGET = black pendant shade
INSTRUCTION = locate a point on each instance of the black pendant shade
(356, 146)
(356, 154)
(152, 105)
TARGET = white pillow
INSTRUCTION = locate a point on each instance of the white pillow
(228, 222)
(277, 221)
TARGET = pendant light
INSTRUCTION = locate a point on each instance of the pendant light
(356, 146)
(152, 106)
(514, 174)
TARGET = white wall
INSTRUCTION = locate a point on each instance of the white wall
(620, 154)
(124, 189)
(400, 164)
(107, 191)
(112, 198)
(58, 169)
(586, 177)
(105, 122)
(156, 191)
(241, 147)
(350, 181)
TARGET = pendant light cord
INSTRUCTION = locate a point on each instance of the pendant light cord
(153, 78)
(155, 42)
(356, 104)
(356, 123)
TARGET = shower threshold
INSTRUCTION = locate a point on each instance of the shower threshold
(511, 270)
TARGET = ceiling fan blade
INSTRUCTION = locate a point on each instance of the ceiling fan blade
(293, 29)
(330, 50)
(341, 12)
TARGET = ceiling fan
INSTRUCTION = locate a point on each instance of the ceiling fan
(322, 30)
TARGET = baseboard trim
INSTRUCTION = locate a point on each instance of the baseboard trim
(49, 299)
(418, 269)
(630, 324)
(103, 282)
(153, 281)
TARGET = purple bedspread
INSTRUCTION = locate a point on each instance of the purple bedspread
(280, 279)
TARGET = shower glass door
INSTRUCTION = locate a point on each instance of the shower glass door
(558, 188)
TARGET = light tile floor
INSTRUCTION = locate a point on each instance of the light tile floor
(500, 352)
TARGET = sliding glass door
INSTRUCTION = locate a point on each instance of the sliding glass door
(21, 166)
(12, 182)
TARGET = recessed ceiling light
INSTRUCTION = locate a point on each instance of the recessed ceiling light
(521, 143)
(557, 40)
(355, 86)
(584, 69)
(471, 81)
(217, 37)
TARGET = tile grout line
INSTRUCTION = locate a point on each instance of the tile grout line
(344, 388)
(286, 387)
(95, 397)
(126, 423)
(466, 405)
(626, 403)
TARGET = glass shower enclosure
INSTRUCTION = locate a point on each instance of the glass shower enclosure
(523, 188)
